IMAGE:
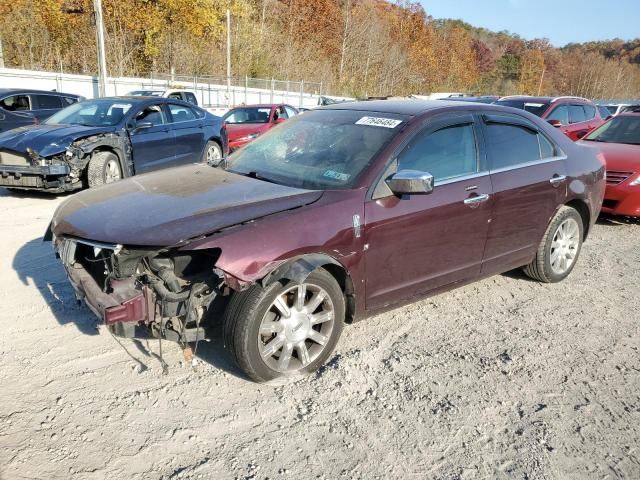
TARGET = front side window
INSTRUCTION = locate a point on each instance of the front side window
(151, 114)
(560, 113)
(576, 114)
(48, 102)
(181, 113)
(446, 153)
(322, 149)
(511, 145)
(16, 103)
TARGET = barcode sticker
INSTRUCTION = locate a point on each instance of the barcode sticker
(379, 122)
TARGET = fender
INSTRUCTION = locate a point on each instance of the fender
(297, 269)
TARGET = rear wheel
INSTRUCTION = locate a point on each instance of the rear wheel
(212, 153)
(104, 167)
(559, 249)
(286, 328)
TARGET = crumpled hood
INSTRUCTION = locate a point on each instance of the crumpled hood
(240, 130)
(167, 207)
(45, 139)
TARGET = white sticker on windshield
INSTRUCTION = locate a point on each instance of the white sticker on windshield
(343, 177)
(379, 122)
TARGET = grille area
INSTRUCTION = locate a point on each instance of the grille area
(615, 177)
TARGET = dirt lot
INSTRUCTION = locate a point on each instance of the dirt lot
(506, 378)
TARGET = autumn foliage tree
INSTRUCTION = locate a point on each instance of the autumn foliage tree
(354, 47)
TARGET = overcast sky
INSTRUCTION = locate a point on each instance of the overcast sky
(561, 21)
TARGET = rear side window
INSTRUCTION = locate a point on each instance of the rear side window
(576, 114)
(47, 102)
(446, 153)
(511, 145)
(176, 95)
(604, 112)
(191, 98)
(560, 113)
(69, 101)
(16, 103)
(589, 111)
(181, 113)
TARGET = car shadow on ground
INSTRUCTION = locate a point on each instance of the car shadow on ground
(616, 221)
(36, 266)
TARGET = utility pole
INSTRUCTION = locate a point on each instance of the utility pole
(228, 58)
(102, 57)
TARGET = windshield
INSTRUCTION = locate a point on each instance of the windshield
(322, 149)
(537, 108)
(248, 115)
(146, 93)
(91, 113)
(621, 129)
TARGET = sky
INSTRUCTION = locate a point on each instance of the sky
(561, 21)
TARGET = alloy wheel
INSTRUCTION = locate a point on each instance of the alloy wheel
(112, 171)
(296, 328)
(564, 247)
(213, 154)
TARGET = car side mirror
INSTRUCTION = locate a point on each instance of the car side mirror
(555, 123)
(410, 182)
(141, 126)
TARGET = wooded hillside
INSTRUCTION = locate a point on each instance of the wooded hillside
(355, 47)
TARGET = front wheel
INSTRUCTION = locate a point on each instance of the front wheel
(104, 167)
(559, 249)
(286, 328)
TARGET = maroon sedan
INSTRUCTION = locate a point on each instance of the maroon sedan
(248, 122)
(338, 214)
(619, 142)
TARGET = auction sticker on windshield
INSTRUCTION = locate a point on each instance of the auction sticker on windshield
(379, 122)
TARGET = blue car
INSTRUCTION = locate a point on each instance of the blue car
(19, 107)
(100, 141)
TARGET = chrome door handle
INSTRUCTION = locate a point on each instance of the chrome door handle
(557, 180)
(476, 200)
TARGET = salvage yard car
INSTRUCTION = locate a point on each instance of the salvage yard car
(101, 141)
(19, 107)
(573, 116)
(619, 142)
(332, 217)
(248, 122)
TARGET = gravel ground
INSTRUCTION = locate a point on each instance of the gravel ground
(505, 378)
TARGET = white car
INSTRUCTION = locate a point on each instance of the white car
(180, 94)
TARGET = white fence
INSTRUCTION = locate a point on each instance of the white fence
(209, 94)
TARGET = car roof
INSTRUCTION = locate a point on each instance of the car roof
(26, 91)
(402, 107)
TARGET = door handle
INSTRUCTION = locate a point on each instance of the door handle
(476, 200)
(556, 180)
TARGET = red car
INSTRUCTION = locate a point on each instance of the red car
(574, 116)
(335, 216)
(250, 121)
(619, 141)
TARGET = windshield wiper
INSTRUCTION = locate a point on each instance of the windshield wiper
(259, 176)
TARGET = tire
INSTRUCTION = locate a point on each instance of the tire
(563, 239)
(212, 153)
(104, 167)
(252, 321)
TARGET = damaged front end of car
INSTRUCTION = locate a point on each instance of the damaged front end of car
(163, 291)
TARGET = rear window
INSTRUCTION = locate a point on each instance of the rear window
(537, 108)
(48, 102)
